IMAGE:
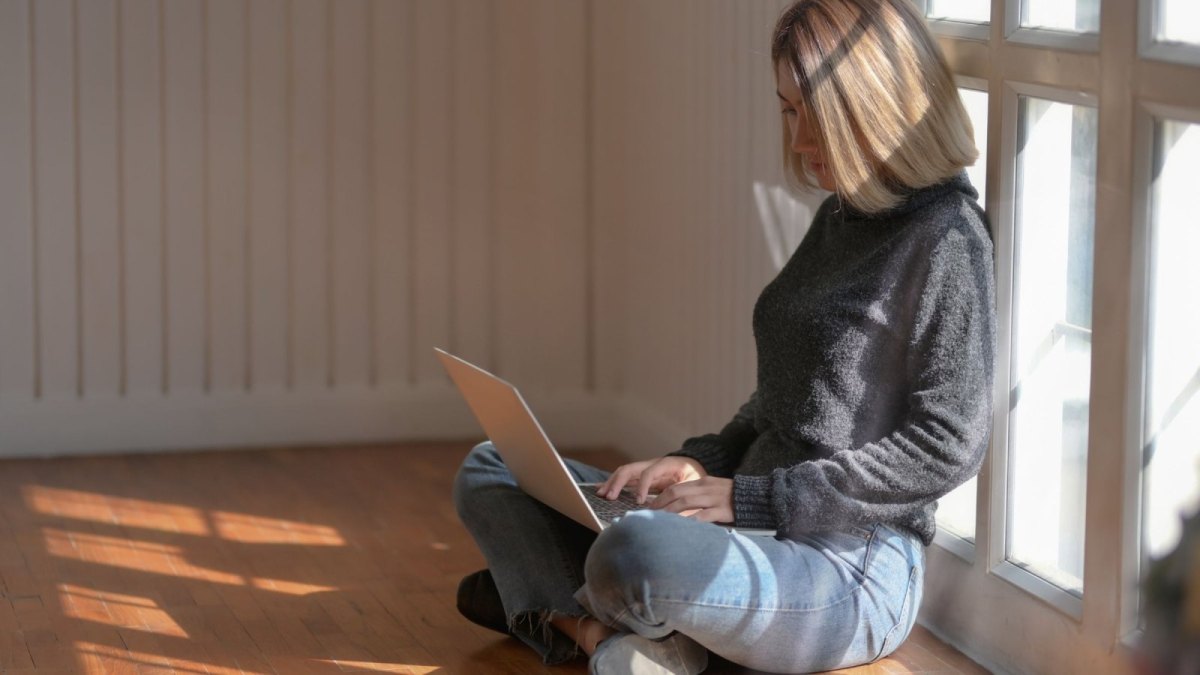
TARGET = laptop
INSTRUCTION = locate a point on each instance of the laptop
(529, 454)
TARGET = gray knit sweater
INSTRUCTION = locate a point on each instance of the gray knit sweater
(875, 349)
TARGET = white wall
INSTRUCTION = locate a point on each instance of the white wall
(690, 216)
(234, 222)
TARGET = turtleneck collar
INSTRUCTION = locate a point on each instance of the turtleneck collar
(912, 199)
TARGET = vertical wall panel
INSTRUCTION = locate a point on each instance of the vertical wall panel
(392, 67)
(186, 210)
(540, 201)
(268, 175)
(350, 164)
(474, 131)
(56, 213)
(227, 193)
(309, 250)
(142, 189)
(17, 316)
(100, 243)
(434, 267)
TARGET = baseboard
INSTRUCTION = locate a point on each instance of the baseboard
(283, 418)
(576, 419)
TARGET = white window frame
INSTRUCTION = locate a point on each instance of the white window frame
(964, 30)
(975, 595)
(1147, 118)
(1065, 601)
(960, 546)
(1045, 37)
(1151, 48)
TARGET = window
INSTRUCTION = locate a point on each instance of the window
(979, 11)
(1051, 343)
(956, 511)
(1075, 16)
(1178, 21)
(1171, 453)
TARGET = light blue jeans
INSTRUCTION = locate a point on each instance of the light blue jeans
(815, 602)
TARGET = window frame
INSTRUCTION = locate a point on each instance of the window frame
(1133, 89)
(1148, 116)
(1150, 47)
(1045, 37)
(1059, 598)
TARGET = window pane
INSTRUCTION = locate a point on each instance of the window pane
(1051, 347)
(976, 103)
(1179, 20)
(1172, 452)
(956, 511)
(960, 10)
(1077, 16)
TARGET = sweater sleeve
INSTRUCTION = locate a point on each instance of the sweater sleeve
(721, 453)
(941, 439)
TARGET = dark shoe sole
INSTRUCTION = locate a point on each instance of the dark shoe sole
(479, 601)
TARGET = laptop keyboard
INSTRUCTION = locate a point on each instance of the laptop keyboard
(611, 510)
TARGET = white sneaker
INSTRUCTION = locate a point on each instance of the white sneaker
(632, 654)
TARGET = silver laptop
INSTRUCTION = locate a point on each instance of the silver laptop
(529, 454)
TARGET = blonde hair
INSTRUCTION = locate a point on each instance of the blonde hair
(879, 95)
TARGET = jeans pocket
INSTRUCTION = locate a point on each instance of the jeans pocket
(905, 618)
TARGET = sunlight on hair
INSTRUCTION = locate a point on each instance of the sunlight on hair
(784, 220)
(117, 609)
(155, 661)
(248, 529)
(128, 554)
(99, 508)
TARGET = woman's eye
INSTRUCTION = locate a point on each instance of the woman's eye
(789, 112)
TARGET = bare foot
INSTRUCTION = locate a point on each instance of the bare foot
(586, 631)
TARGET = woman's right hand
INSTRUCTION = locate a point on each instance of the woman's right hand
(651, 474)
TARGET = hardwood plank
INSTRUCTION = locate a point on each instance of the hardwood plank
(280, 561)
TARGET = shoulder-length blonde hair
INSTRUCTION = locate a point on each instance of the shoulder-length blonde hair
(879, 96)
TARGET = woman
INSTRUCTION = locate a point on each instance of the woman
(875, 347)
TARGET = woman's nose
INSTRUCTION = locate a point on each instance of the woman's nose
(802, 141)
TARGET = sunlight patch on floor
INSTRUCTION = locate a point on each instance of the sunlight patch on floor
(404, 669)
(99, 508)
(131, 555)
(248, 529)
(117, 609)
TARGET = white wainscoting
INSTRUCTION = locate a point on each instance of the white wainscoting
(232, 222)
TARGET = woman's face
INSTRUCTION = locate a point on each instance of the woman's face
(804, 139)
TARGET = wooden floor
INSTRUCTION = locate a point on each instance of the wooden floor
(281, 561)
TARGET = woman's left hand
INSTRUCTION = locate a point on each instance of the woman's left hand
(707, 499)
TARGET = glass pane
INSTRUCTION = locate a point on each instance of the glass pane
(976, 103)
(1179, 20)
(1172, 452)
(956, 511)
(960, 10)
(1051, 348)
(1076, 16)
